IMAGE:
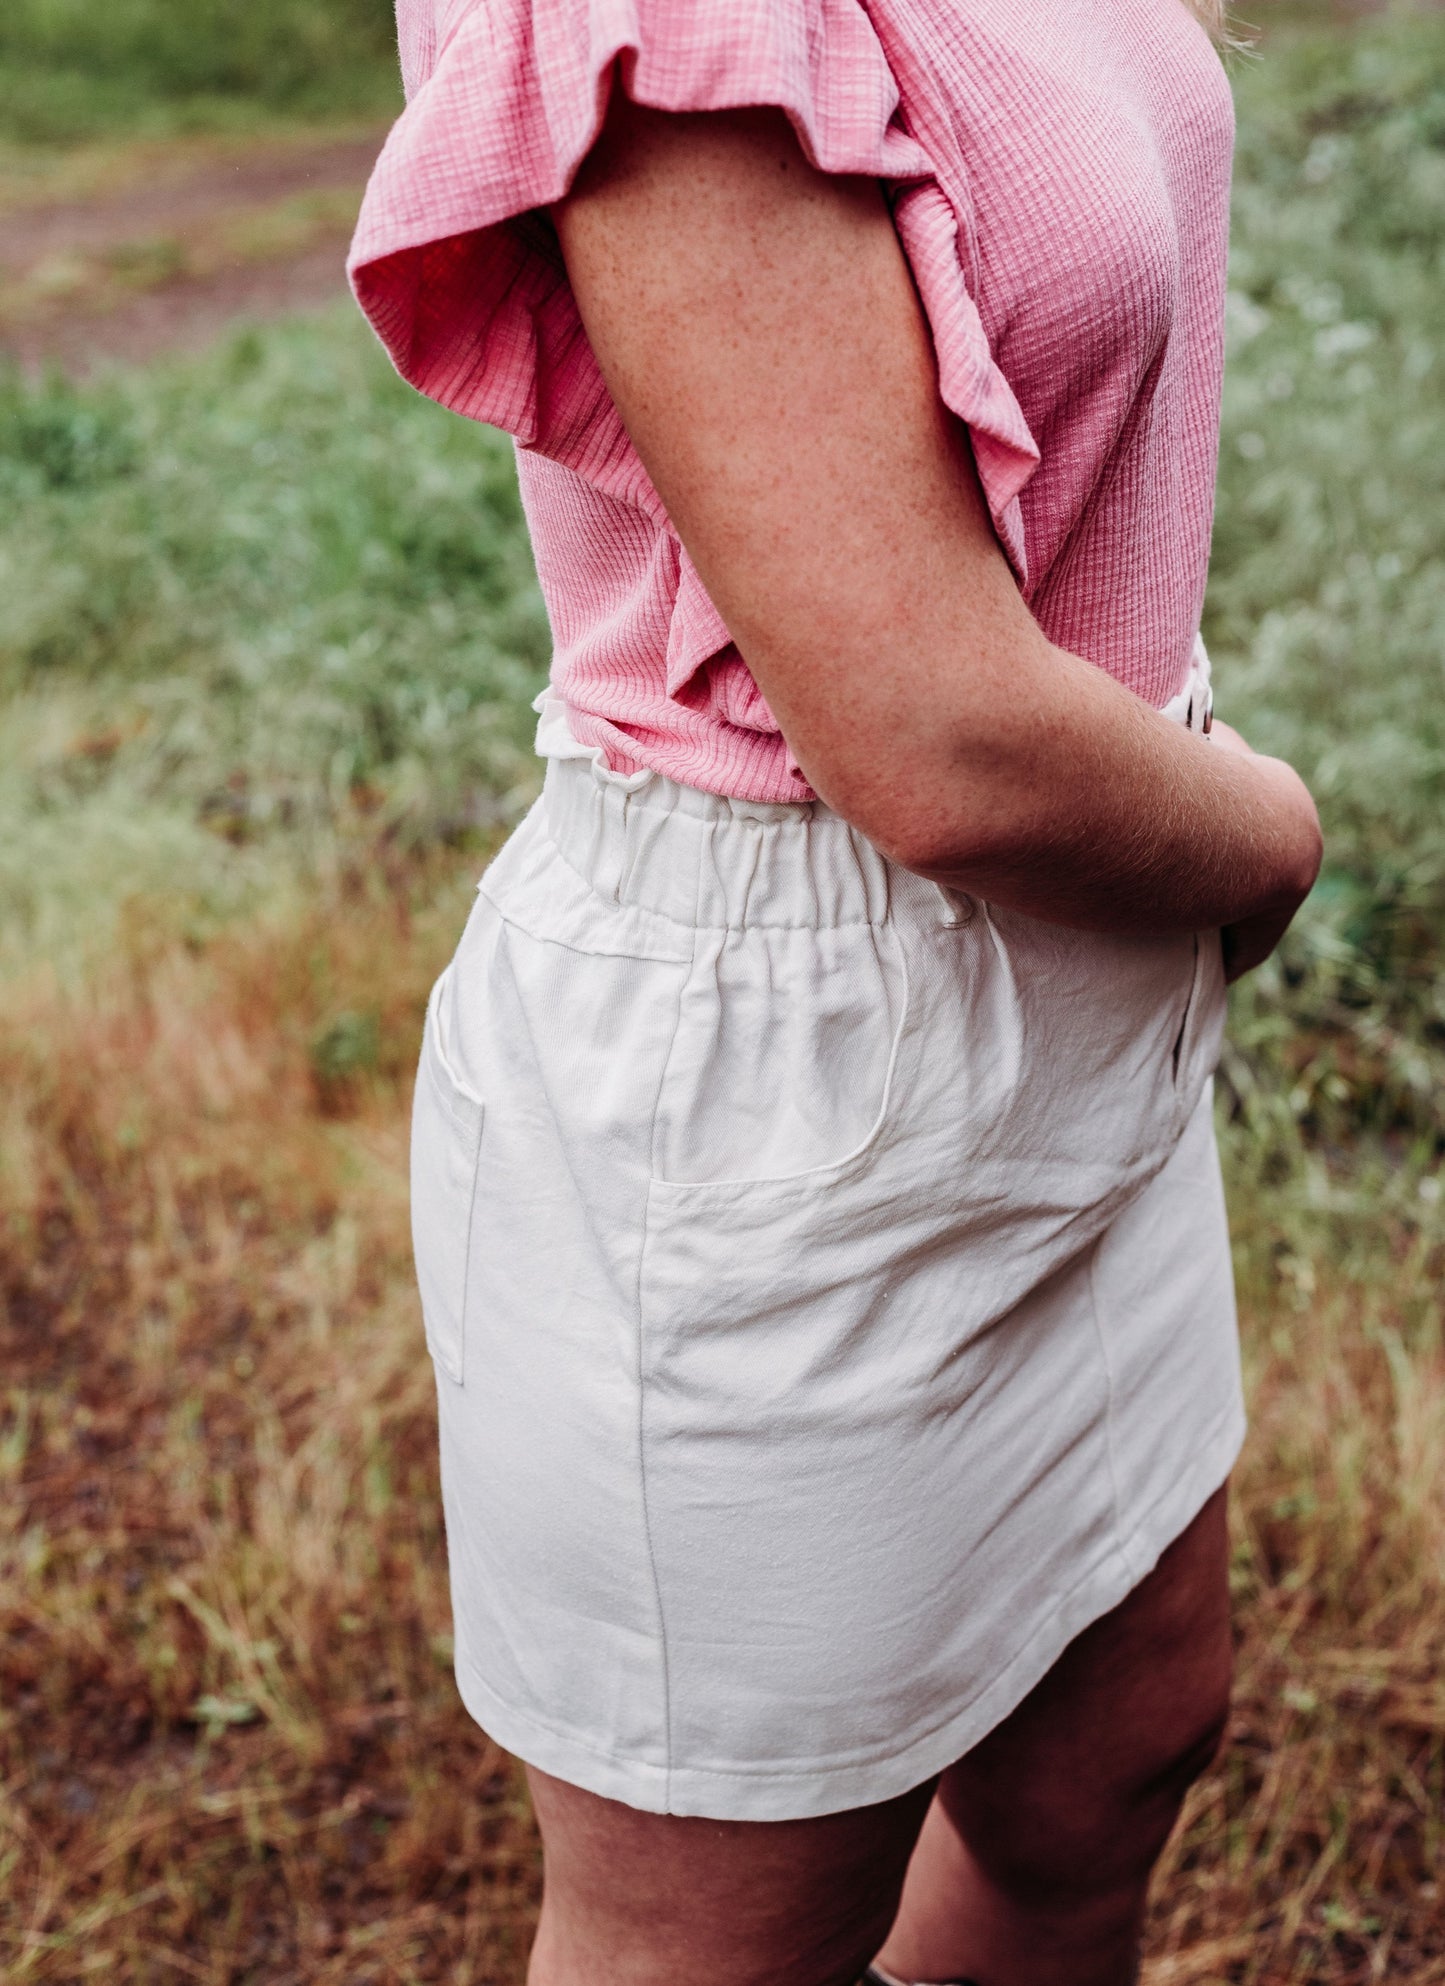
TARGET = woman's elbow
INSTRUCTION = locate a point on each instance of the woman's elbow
(934, 833)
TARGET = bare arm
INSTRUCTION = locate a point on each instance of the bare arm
(757, 325)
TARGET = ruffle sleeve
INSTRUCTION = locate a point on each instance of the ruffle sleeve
(457, 267)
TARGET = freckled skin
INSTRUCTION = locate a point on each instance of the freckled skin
(758, 328)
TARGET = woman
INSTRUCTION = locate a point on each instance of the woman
(817, 1215)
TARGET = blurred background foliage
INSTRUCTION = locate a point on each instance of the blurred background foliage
(268, 634)
(270, 596)
(238, 598)
(1327, 595)
(74, 69)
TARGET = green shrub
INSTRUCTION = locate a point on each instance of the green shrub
(1326, 609)
(246, 603)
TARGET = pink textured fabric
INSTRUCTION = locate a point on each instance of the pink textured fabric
(1059, 171)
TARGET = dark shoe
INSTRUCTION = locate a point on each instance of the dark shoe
(872, 1978)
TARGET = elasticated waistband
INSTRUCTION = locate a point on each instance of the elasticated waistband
(705, 860)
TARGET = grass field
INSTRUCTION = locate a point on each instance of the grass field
(73, 71)
(267, 633)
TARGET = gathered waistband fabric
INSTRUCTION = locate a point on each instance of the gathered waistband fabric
(708, 861)
(705, 861)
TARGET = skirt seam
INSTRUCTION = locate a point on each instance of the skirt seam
(1228, 1424)
(1110, 1445)
(640, 1373)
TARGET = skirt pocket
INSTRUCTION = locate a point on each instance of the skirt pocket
(446, 1143)
(783, 1058)
(1201, 1027)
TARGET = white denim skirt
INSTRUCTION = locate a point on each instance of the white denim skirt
(829, 1291)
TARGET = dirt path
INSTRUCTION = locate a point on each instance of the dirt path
(113, 255)
(119, 255)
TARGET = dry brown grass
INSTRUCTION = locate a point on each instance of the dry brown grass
(1313, 1853)
(231, 1747)
(230, 1743)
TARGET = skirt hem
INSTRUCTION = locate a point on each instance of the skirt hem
(805, 1790)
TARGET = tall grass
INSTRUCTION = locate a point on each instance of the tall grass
(267, 633)
(241, 601)
(229, 1742)
(72, 69)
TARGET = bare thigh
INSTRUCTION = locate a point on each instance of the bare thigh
(1034, 1862)
(1076, 1788)
(1082, 1782)
(635, 1899)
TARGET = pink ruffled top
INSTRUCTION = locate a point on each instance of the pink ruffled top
(1059, 174)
